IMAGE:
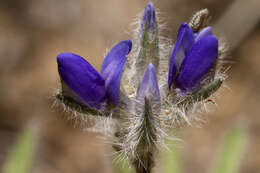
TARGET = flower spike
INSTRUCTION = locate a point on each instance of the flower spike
(135, 112)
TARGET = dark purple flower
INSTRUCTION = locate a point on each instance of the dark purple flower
(149, 18)
(192, 57)
(149, 86)
(91, 87)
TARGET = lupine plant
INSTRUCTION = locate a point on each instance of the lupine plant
(145, 91)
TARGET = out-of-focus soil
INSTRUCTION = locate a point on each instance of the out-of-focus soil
(33, 32)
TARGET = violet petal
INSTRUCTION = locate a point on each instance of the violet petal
(82, 79)
(197, 62)
(185, 40)
(149, 86)
(203, 33)
(113, 67)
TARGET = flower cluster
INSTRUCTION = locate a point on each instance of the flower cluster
(94, 89)
(146, 115)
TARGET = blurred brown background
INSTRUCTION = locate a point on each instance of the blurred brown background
(33, 32)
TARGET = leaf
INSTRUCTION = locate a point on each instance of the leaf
(172, 158)
(21, 155)
(121, 165)
(232, 152)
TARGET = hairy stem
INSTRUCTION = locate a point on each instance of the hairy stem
(145, 149)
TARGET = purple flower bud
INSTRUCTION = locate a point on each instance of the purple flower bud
(93, 88)
(149, 18)
(149, 86)
(192, 57)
